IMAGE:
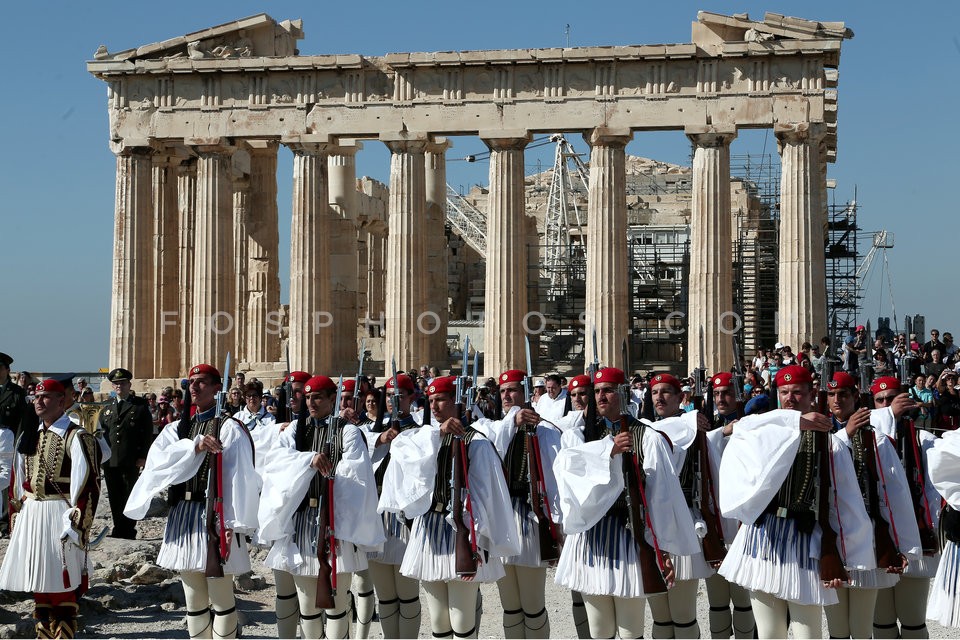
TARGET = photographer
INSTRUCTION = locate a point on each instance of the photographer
(948, 401)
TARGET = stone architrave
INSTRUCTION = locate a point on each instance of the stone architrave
(802, 311)
(263, 249)
(607, 274)
(344, 259)
(435, 274)
(311, 313)
(131, 313)
(186, 211)
(405, 251)
(505, 299)
(214, 288)
(166, 258)
(711, 256)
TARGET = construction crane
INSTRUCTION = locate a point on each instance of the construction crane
(568, 183)
(467, 220)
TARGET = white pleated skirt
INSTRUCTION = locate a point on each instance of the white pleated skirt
(943, 605)
(923, 567)
(602, 561)
(34, 560)
(775, 558)
(431, 553)
(872, 579)
(396, 544)
(350, 558)
(526, 525)
(184, 545)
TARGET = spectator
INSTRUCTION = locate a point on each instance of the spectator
(760, 361)
(932, 345)
(948, 400)
(923, 396)
(787, 356)
(854, 347)
(949, 348)
(804, 357)
(240, 379)
(87, 395)
(816, 359)
(934, 366)
(235, 400)
(880, 365)
(686, 400)
(167, 413)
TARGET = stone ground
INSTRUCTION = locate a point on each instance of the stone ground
(132, 598)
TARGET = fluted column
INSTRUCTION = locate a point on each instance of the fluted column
(131, 307)
(436, 287)
(214, 289)
(607, 274)
(263, 248)
(405, 251)
(711, 255)
(344, 254)
(241, 217)
(802, 310)
(166, 260)
(505, 296)
(187, 213)
(311, 319)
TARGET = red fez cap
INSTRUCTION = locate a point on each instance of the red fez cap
(319, 383)
(442, 385)
(207, 369)
(666, 378)
(579, 381)
(298, 376)
(842, 380)
(794, 374)
(860, 327)
(404, 381)
(724, 379)
(349, 385)
(49, 386)
(512, 375)
(885, 383)
(610, 375)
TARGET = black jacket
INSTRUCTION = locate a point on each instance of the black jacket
(128, 428)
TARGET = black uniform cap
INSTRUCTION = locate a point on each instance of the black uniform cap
(5, 360)
(119, 374)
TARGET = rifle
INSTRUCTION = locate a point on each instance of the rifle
(590, 416)
(831, 564)
(551, 540)
(395, 404)
(356, 384)
(652, 568)
(705, 497)
(326, 541)
(286, 394)
(886, 549)
(866, 374)
(916, 477)
(465, 541)
(739, 376)
(218, 546)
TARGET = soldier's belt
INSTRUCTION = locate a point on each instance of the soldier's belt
(195, 496)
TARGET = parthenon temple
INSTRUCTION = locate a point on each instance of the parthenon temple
(196, 123)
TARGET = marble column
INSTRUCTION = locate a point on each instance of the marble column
(711, 255)
(376, 278)
(344, 254)
(131, 309)
(240, 185)
(263, 249)
(802, 313)
(187, 214)
(436, 287)
(311, 314)
(405, 257)
(166, 258)
(607, 271)
(214, 289)
(505, 297)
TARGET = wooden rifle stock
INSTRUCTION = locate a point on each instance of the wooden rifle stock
(326, 537)
(714, 547)
(888, 555)
(464, 544)
(831, 564)
(214, 512)
(550, 541)
(916, 479)
(649, 558)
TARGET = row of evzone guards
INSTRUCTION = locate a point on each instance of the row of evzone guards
(395, 532)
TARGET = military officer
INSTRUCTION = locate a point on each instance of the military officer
(128, 428)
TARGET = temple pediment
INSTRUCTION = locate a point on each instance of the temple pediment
(712, 30)
(252, 37)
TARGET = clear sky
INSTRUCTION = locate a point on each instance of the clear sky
(899, 84)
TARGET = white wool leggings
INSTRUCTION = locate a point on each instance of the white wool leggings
(610, 616)
(452, 607)
(364, 601)
(287, 606)
(399, 600)
(721, 594)
(205, 595)
(312, 619)
(852, 617)
(675, 612)
(905, 602)
(771, 614)
(523, 602)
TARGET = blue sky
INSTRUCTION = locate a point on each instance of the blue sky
(899, 84)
